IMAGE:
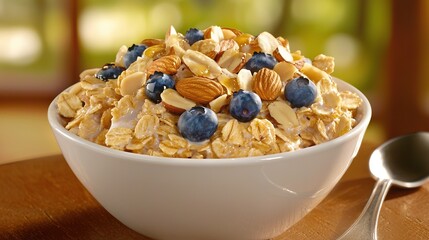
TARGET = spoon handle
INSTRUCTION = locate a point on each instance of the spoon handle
(365, 227)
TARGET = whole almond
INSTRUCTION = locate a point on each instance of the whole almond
(167, 64)
(199, 89)
(267, 84)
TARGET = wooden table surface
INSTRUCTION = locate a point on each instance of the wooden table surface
(42, 199)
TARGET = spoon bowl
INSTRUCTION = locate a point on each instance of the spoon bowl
(404, 160)
(401, 161)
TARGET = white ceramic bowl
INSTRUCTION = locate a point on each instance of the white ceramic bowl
(244, 198)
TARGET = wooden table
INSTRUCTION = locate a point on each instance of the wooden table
(42, 199)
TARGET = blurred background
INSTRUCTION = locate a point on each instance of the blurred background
(380, 46)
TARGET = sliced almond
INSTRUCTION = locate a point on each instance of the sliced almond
(132, 83)
(229, 81)
(167, 64)
(174, 102)
(217, 104)
(284, 42)
(183, 72)
(176, 44)
(252, 47)
(228, 44)
(201, 65)
(244, 39)
(207, 46)
(199, 89)
(228, 33)
(267, 42)
(171, 31)
(119, 60)
(267, 84)
(152, 41)
(234, 30)
(214, 32)
(283, 114)
(244, 79)
(282, 54)
(154, 51)
(285, 70)
(232, 60)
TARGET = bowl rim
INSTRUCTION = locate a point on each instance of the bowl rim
(53, 119)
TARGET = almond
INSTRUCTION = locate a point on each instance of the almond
(217, 104)
(284, 42)
(245, 79)
(252, 47)
(285, 70)
(244, 39)
(233, 30)
(152, 41)
(282, 54)
(283, 114)
(228, 44)
(176, 45)
(229, 81)
(132, 83)
(201, 65)
(267, 42)
(174, 102)
(119, 60)
(267, 84)
(228, 33)
(170, 31)
(233, 60)
(199, 89)
(167, 64)
(207, 46)
(154, 51)
(214, 32)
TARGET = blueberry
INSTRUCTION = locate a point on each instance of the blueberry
(197, 124)
(156, 84)
(109, 71)
(245, 105)
(300, 92)
(260, 60)
(133, 52)
(193, 35)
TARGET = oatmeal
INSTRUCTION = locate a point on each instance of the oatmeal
(212, 93)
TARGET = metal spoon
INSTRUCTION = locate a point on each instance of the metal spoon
(403, 162)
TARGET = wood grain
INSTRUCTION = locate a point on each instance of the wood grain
(42, 199)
